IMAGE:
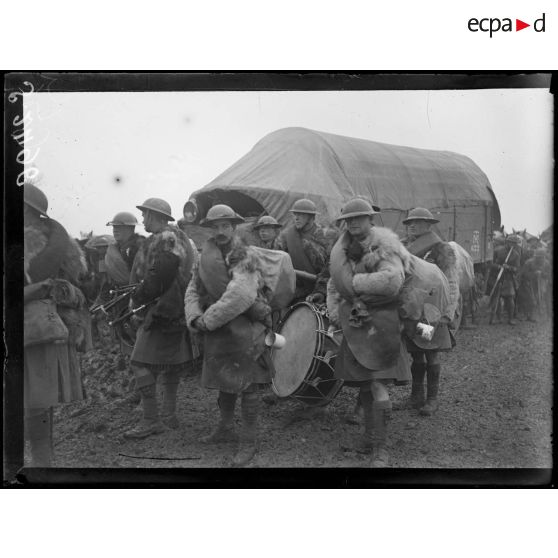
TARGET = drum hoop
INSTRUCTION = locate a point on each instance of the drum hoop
(319, 345)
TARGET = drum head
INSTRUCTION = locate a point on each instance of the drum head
(293, 361)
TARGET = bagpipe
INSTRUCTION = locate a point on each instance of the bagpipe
(119, 312)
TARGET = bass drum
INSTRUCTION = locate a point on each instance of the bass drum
(304, 367)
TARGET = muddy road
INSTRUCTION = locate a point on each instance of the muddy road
(495, 411)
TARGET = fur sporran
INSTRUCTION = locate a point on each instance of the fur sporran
(42, 324)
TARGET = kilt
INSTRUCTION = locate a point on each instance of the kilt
(349, 369)
(161, 349)
(51, 375)
(233, 359)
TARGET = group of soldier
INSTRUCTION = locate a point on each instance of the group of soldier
(215, 297)
(523, 285)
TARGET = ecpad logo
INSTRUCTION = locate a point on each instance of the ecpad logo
(492, 25)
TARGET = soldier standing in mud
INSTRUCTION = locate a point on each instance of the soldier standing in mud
(367, 268)
(162, 349)
(424, 243)
(53, 263)
(308, 245)
(225, 303)
(533, 284)
(507, 257)
(119, 259)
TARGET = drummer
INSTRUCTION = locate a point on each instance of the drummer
(308, 245)
(224, 303)
(367, 271)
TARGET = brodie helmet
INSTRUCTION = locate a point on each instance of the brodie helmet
(356, 207)
(35, 198)
(99, 241)
(304, 206)
(420, 214)
(123, 218)
(158, 206)
(221, 211)
(267, 221)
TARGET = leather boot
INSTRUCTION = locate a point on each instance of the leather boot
(362, 443)
(432, 384)
(510, 310)
(381, 413)
(416, 399)
(355, 416)
(170, 381)
(224, 432)
(247, 449)
(39, 434)
(150, 423)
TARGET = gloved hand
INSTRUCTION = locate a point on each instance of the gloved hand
(316, 298)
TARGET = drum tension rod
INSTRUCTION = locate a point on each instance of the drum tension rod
(330, 335)
(326, 358)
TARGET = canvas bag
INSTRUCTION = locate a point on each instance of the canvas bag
(42, 324)
(278, 275)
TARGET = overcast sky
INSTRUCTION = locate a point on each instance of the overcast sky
(100, 153)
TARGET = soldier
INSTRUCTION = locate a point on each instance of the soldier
(96, 248)
(533, 282)
(119, 256)
(308, 246)
(267, 229)
(162, 349)
(224, 301)
(53, 262)
(367, 271)
(507, 257)
(424, 243)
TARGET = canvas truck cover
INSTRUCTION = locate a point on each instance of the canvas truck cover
(292, 163)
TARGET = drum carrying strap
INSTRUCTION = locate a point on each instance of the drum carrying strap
(424, 244)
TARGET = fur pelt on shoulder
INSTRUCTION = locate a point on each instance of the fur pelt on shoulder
(243, 292)
(378, 273)
(382, 268)
(443, 255)
(383, 244)
(49, 252)
(170, 239)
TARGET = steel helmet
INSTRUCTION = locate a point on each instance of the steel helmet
(356, 208)
(513, 238)
(158, 206)
(100, 241)
(221, 211)
(420, 214)
(304, 206)
(123, 218)
(266, 221)
(35, 198)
